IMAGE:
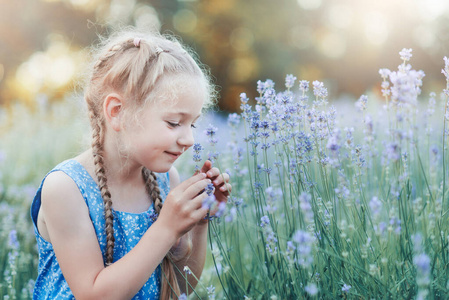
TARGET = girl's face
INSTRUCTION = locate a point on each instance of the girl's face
(164, 128)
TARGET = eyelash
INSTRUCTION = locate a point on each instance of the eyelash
(177, 124)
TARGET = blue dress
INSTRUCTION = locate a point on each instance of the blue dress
(128, 230)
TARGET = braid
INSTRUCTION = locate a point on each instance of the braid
(100, 171)
(170, 285)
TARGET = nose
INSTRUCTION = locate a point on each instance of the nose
(186, 139)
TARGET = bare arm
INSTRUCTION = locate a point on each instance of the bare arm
(76, 247)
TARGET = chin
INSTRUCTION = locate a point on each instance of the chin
(160, 169)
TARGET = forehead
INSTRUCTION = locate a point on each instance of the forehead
(179, 93)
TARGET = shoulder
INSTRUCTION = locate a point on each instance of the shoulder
(174, 177)
(61, 197)
(58, 182)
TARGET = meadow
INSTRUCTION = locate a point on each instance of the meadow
(330, 200)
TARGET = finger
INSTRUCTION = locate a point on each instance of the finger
(214, 172)
(190, 181)
(196, 188)
(225, 188)
(220, 179)
(199, 200)
(206, 167)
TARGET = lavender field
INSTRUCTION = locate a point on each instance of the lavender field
(330, 199)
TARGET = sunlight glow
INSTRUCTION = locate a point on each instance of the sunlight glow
(53, 68)
(146, 16)
(376, 28)
(332, 45)
(185, 20)
(309, 4)
(340, 15)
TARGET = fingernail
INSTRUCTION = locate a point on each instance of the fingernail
(203, 175)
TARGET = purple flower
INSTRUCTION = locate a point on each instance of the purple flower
(233, 120)
(210, 132)
(209, 189)
(183, 296)
(422, 262)
(311, 289)
(304, 243)
(232, 215)
(319, 90)
(361, 103)
(405, 54)
(445, 71)
(304, 86)
(243, 98)
(376, 205)
(264, 221)
(345, 288)
(384, 73)
(12, 240)
(290, 81)
(221, 209)
(197, 149)
(208, 202)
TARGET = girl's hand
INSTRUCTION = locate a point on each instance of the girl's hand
(182, 208)
(219, 180)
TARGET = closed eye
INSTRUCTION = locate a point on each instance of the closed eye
(193, 126)
(171, 124)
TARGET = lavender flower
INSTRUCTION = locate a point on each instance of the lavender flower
(311, 289)
(376, 206)
(361, 103)
(209, 189)
(183, 296)
(306, 207)
(290, 81)
(187, 270)
(210, 132)
(405, 54)
(233, 120)
(345, 288)
(221, 209)
(13, 243)
(210, 292)
(304, 242)
(304, 86)
(422, 263)
(197, 149)
(243, 98)
(262, 86)
(384, 73)
(264, 221)
(232, 215)
(208, 202)
(319, 90)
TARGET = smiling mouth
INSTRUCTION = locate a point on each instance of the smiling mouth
(174, 154)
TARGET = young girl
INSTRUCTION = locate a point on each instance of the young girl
(106, 219)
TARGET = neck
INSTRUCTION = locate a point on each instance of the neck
(119, 168)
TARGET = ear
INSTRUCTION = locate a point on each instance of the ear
(112, 109)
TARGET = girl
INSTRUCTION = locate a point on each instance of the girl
(105, 219)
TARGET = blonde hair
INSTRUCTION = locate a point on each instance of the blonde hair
(132, 63)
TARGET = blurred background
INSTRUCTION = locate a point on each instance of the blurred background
(340, 42)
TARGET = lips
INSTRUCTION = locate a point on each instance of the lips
(174, 155)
